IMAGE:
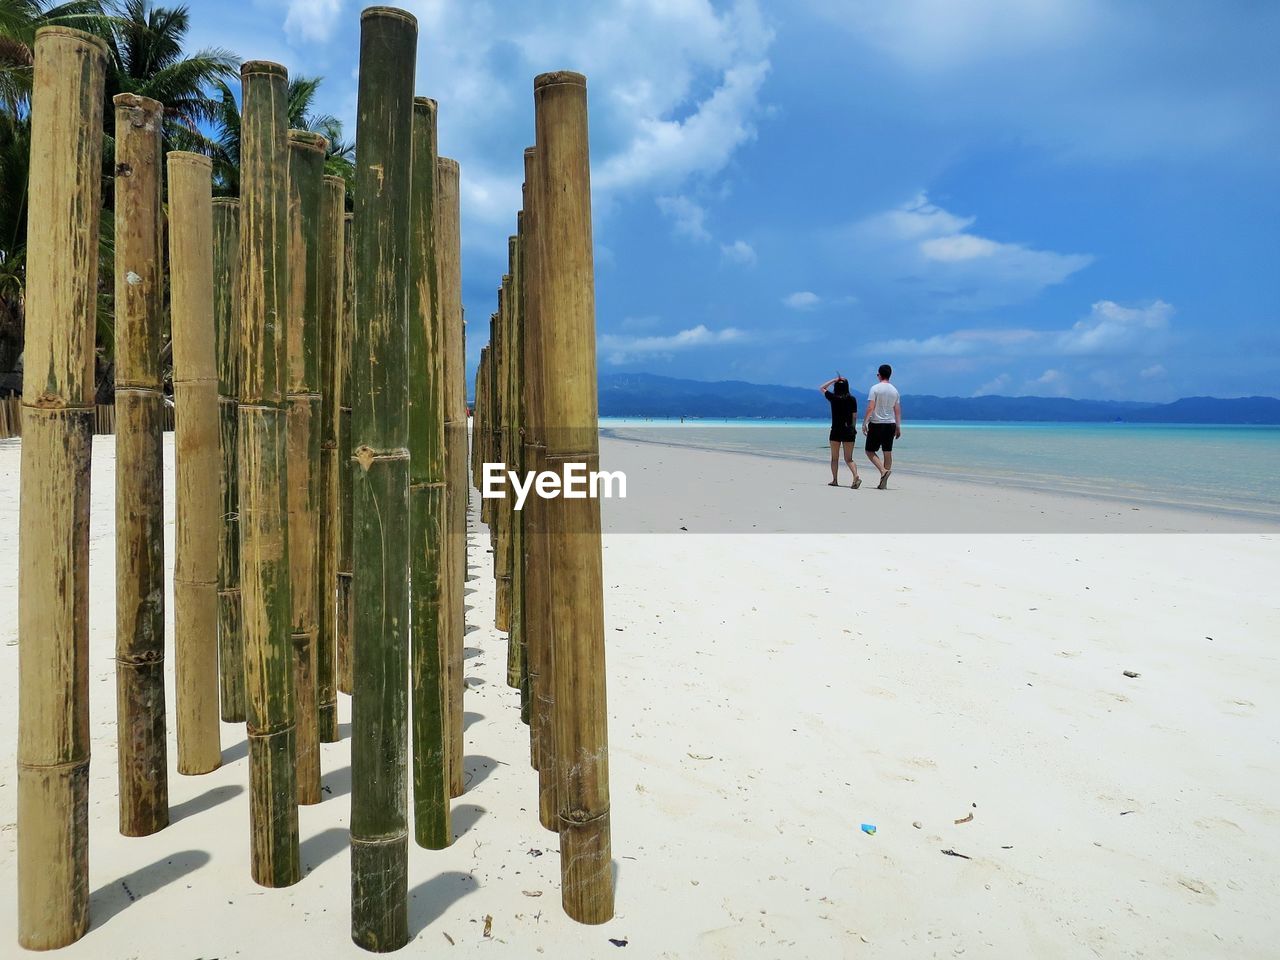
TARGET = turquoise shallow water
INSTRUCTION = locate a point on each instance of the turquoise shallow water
(1215, 467)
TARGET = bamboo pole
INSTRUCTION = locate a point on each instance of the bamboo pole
(332, 203)
(428, 643)
(226, 317)
(64, 193)
(345, 332)
(306, 168)
(484, 439)
(517, 667)
(261, 429)
(449, 271)
(195, 393)
(569, 412)
(502, 507)
(140, 720)
(537, 609)
(380, 486)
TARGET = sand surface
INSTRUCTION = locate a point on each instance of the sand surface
(769, 694)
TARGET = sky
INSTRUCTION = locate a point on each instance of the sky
(1021, 197)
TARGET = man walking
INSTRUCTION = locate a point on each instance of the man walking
(883, 424)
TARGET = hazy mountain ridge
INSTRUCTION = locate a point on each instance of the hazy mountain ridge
(651, 395)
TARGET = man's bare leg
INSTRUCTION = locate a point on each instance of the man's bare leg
(875, 461)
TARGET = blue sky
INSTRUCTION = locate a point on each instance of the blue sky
(1056, 197)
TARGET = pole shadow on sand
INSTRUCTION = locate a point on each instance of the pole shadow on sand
(107, 901)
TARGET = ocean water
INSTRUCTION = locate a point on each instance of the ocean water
(1229, 468)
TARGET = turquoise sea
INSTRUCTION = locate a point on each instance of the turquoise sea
(1234, 468)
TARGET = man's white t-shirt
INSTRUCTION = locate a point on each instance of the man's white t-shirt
(881, 399)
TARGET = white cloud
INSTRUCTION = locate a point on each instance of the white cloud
(1052, 383)
(1108, 329)
(618, 348)
(738, 252)
(689, 217)
(802, 300)
(995, 385)
(311, 19)
(921, 248)
(1153, 372)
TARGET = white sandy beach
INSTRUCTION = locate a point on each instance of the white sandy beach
(768, 694)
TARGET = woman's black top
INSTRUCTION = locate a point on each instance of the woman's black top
(844, 410)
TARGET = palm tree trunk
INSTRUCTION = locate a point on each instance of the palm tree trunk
(65, 190)
(569, 415)
(139, 286)
(264, 538)
(195, 393)
(380, 486)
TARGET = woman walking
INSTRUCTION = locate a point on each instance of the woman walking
(844, 411)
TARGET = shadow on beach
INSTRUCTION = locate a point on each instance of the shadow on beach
(106, 902)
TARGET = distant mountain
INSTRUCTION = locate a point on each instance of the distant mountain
(650, 395)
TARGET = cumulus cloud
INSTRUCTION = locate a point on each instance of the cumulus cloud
(738, 252)
(311, 19)
(1153, 372)
(802, 300)
(621, 348)
(922, 248)
(689, 218)
(1108, 329)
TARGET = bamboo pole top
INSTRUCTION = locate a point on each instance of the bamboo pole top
(334, 179)
(132, 101)
(197, 160)
(254, 68)
(394, 13)
(308, 140)
(233, 202)
(79, 36)
(530, 153)
(427, 103)
(348, 217)
(447, 163)
(555, 77)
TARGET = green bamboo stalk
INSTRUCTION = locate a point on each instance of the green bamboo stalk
(226, 316)
(502, 453)
(262, 438)
(198, 461)
(306, 168)
(65, 195)
(332, 204)
(143, 762)
(428, 655)
(569, 414)
(449, 272)
(345, 333)
(380, 486)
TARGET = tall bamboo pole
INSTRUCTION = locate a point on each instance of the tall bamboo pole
(65, 195)
(306, 168)
(332, 203)
(140, 720)
(537, 608)
(569, 412)
(264, 540)
(346, 330)
(517, 669)
(502, 507)
(449, 271)
(380, 486)
(195, 394)
(428, 654)
(226, 318)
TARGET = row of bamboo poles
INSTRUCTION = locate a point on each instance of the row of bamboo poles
(321, 474)
(102, 422)
(536, 411)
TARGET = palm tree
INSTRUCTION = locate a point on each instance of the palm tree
(19, 20)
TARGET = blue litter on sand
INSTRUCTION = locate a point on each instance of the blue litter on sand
(869, 828)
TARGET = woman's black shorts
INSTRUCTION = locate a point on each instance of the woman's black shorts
(845, 434)
(880, 437)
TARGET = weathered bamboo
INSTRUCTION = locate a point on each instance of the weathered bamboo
(346, 330)
(449, 272)
(306, 168)
(226, 318)
(477, 426)
(139, 288)
(380, 485)
(537, 609)
(64, 191)
(332, 203)
(198, 461)
(514, 456)
(428, 654)
(569, 414)
(264, 541)
(502, 438)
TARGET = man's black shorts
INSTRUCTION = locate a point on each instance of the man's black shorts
(880, 437)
